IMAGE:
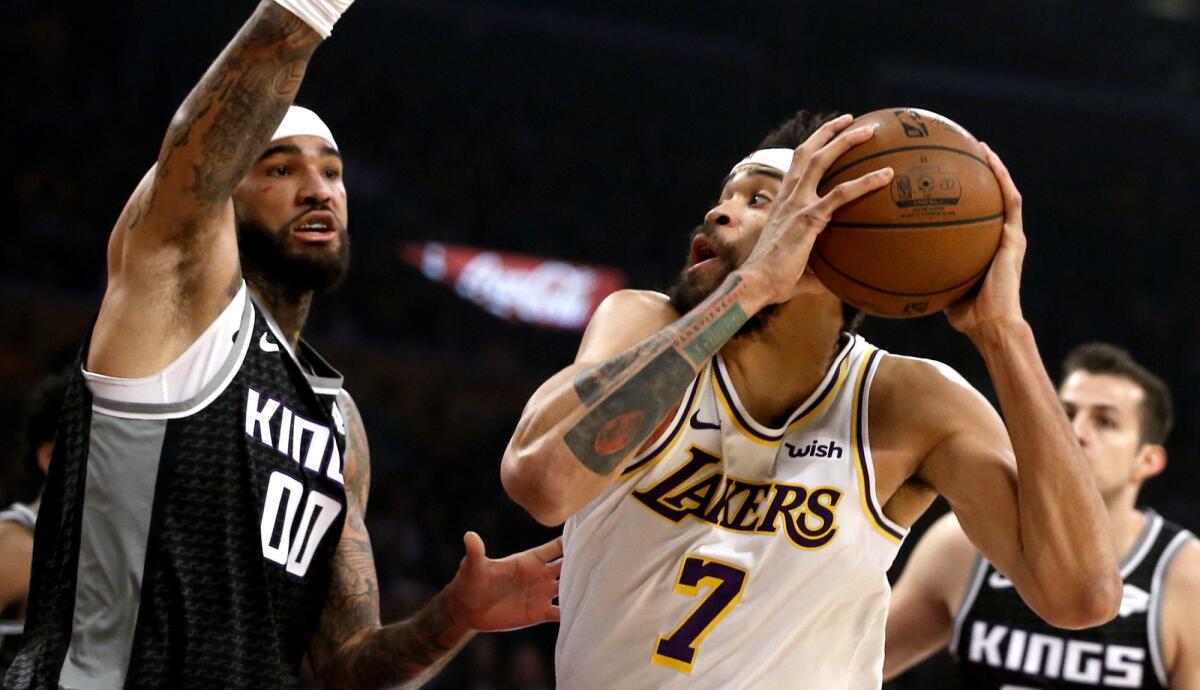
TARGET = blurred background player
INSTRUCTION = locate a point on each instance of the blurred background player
(730, 512)
(203, 517)
(36, 443)
(949, 594)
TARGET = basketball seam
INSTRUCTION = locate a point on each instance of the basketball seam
(835, 269)
(930, 224)
(839, 171)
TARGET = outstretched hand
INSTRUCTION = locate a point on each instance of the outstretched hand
(508, 593)
(999, 298)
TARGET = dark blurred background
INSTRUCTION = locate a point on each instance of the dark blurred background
(599, 132)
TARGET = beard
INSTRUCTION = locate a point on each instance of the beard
(689, 289)
(266, 253)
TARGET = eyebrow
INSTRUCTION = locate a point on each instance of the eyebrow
(295, 150)
(769, 172)
(1101, 407)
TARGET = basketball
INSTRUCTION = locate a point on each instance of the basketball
(923, 241)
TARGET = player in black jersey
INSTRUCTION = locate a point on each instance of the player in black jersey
(949, 594)
(202, 523)
(35, 444)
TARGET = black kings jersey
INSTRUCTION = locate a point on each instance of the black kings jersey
(1000, 642)
(189, 545)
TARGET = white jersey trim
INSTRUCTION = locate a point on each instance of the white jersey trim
(1154, 523)
(187, 376)
(860, 441)
(214, 381)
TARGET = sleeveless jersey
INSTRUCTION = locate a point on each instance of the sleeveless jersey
(188, 545)
(732, 555)
(11, 623)
(1000, 643)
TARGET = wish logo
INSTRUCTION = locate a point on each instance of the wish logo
(816, 449)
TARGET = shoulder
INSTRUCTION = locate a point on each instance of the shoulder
(622, 319)
(927, 401)
(1181, 607)
(916, 375)
(626, 304)
(15, 538)
(1183, 576)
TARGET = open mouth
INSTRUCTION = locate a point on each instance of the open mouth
(703, 251)
(317, 227)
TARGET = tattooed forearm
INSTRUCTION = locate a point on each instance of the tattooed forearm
(629, 395)
(224, 121)
(409, 653)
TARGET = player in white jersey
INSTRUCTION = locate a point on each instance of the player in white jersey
(736, 471)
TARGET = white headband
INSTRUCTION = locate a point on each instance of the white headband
(303, 122)
(775, 159)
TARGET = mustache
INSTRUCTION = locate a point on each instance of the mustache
(723, 249)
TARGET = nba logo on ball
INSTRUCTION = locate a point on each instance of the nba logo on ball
(926, 239)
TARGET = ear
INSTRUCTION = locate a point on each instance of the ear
(1151, 460)
(44, 451)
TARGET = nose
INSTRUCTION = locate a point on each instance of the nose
(1079, 426)
(315, 189)
(721, 214)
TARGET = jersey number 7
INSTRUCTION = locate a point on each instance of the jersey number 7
(678, 650)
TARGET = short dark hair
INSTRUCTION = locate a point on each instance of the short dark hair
(1156, 413)
(39, 419)
(793, 131)
(788, 135)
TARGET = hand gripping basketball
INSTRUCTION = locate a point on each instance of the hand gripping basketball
(781, 253)
(999, 298)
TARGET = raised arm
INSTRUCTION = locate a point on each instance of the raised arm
(926, 598)
(636, 361)
(172, 256)
(351, 650)
(1041, 522)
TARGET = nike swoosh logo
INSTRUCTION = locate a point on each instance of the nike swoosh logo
(998, 581)
(697, 424)
(266, 345)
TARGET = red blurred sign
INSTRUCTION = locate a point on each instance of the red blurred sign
(545, 292)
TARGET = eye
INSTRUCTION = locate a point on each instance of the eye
(759, 199)
(332, 173)
(278, 171)
(1106, 422)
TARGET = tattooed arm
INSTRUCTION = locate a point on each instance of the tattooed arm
(351, 650)
(590, 419)
(172, 256)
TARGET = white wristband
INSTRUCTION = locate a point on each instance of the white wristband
(319, 14)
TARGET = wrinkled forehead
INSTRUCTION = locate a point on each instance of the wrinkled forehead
(750, 176)
(300, 145)
(1085, 389)
(770, 162)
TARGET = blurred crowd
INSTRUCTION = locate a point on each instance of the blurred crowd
(600, 135)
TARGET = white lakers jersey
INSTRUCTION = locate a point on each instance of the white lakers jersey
(733, 555)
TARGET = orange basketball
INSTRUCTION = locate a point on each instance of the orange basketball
(926, 239)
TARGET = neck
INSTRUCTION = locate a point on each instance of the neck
(777, 368)
(288, 307)
(1125, 521)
